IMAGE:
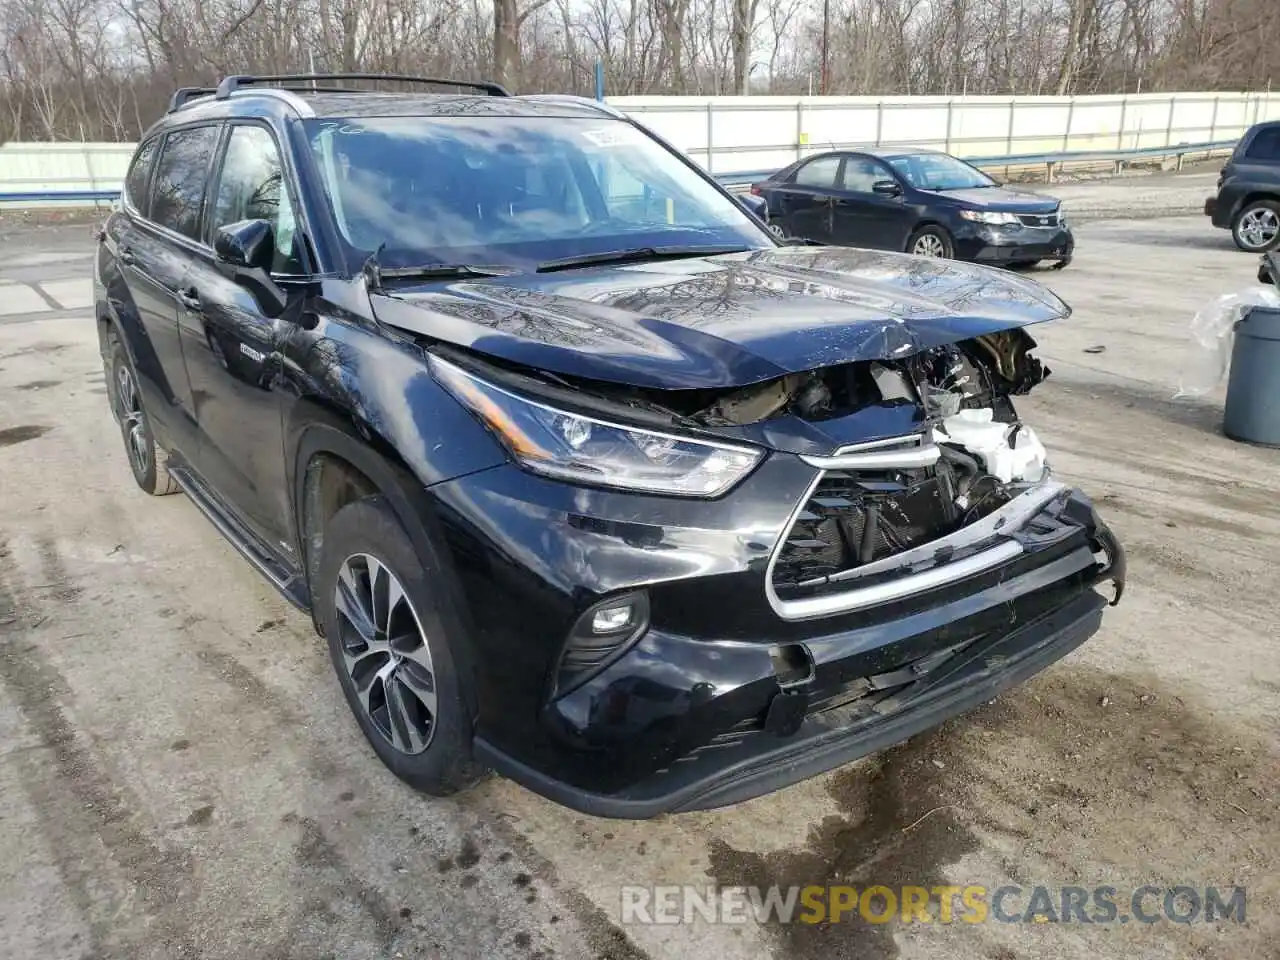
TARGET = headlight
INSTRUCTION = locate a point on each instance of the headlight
(989, 216)
(570, 446)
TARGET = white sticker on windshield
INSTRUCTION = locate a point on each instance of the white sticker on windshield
(610, 136)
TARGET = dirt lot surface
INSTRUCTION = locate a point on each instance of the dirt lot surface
(179, 776)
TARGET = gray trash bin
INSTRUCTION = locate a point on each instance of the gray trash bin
(1253, 385)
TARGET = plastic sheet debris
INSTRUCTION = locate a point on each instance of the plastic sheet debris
(1212, 333)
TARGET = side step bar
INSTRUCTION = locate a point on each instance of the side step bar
(287, 581)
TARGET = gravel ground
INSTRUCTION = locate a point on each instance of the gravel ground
(179, 776)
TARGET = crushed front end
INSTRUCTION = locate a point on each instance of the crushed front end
(901, 553)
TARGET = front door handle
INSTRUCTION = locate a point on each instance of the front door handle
(127, 257)
(190, 298)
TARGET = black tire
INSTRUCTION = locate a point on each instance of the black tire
(369, 529)
(149, 463)
(936, 239)
(1256, 227)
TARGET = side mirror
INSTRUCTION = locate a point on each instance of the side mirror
(753, 204)
(887, 188)
(245, 250)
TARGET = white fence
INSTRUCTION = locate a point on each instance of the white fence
(63, 167)
(736, 134)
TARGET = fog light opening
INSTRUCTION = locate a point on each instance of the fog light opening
(613, 619)
(601, 634)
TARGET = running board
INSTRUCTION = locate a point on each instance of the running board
(290, 585)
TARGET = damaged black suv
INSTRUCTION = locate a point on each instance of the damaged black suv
(583, 474)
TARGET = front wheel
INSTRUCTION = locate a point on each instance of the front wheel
(389, 646)
(931, 241)
(1256, 227)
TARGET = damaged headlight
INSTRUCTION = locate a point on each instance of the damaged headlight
(994, 217)
(571, 446)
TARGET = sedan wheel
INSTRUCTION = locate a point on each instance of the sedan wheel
(928, 246)
(1257, 227)
(931, 241)
(385, 652)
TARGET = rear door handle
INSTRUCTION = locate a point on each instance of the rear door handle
(126, 256)
(189, 298)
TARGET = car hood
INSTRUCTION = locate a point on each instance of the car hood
(1003, 198)
(724, 321)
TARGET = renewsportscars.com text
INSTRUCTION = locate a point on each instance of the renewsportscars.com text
(938, 904)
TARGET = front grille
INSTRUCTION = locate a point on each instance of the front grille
(1039, 219)
(856, 517)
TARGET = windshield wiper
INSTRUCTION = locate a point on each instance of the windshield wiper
(638, 255)
(442, 271)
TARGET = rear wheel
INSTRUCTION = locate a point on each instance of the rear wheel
(388, 645)
(931, 241)
(1256, 227)
(148, 462)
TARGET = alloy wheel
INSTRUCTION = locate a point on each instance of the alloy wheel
(133, 420)
(928, 245)
(385, 652)
(1259, 227)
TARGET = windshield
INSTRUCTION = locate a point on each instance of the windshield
(938, 171)
(513, 191)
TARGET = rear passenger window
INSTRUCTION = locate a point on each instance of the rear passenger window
(1265, 145)
(135, 184)
(181, 174)
(818, 173)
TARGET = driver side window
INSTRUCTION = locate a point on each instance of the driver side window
(251, 187)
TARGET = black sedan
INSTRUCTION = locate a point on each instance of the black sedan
(927, 203)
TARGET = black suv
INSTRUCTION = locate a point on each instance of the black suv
(583, 474)
(1248, 200)
(921, 201)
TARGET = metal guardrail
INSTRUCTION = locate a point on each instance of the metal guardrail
(1049, 160)
(36, 196)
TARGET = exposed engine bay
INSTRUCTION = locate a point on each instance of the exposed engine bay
(985, 457)
(956, 399)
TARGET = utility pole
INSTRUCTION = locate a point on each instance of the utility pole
(826, 38)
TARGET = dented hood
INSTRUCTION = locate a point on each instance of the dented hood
(725, 321)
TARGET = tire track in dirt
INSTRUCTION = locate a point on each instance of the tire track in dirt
(80, 807)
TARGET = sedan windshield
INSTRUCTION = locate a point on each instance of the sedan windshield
(516, 191)
(938, 171)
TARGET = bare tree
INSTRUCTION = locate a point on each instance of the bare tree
(104, 69)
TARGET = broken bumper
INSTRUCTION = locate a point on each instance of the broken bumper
(1000, 245)
(723, 696)
(764, 762)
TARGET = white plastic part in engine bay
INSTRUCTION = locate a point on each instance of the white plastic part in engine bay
(1007, 451)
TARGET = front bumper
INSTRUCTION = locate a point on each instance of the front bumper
(696, 712)
(763, 762)
(1001, 245)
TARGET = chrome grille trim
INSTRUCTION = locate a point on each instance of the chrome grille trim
(1013, 515)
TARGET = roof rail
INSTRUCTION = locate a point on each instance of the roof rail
(229, 85)
(183, 95)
